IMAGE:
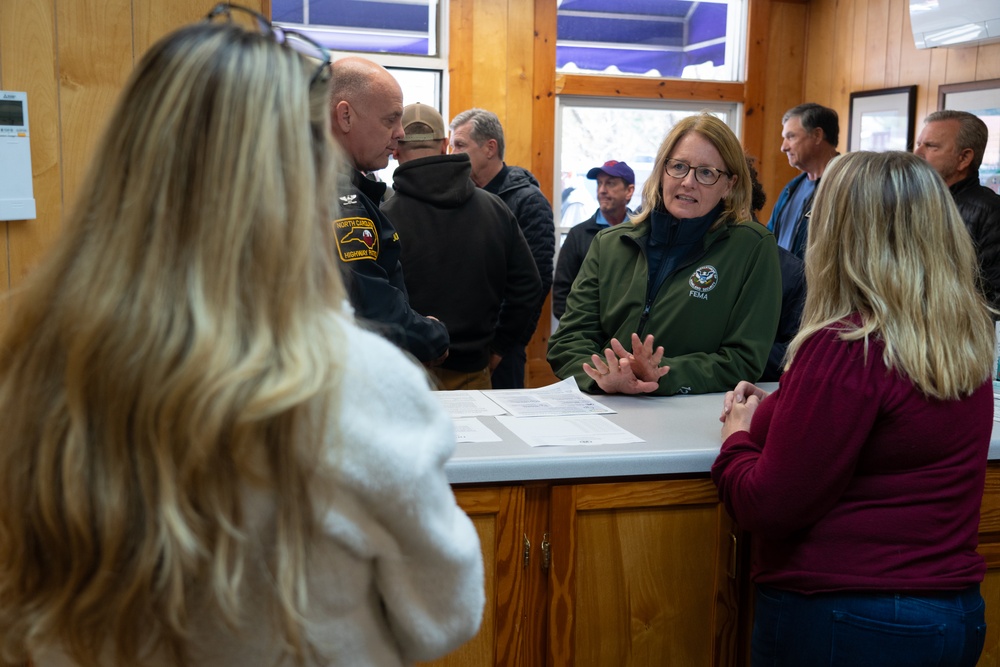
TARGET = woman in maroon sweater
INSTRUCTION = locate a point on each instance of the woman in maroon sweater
(861, 477)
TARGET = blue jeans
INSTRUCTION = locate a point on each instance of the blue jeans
(861, 629)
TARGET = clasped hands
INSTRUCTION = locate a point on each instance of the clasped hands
(623, 372)
(738, 407)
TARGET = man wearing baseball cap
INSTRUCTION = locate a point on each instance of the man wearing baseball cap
(615, 185)
(463, 251)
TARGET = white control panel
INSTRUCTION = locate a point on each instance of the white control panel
(17, 200)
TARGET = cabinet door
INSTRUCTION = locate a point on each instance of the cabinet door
(643, 573)
(498, 514)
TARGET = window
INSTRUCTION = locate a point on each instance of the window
(591, 131)
(690, 39)
(404, 36)
(408, 27)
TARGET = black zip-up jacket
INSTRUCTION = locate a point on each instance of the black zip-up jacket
(463, 257)
(980, 210)
(519, 190)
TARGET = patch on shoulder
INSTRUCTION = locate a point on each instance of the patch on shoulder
(357, 239)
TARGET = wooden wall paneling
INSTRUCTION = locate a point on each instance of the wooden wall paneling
(517, 121)
(821, 37)
(95, 58)
(875, 44)
(838, 97)
(914, 69)
(754, 88)
(490, 57)
(859, 37)
(961, 65)
(988, 64)
(894, 42)
(153, 20)
(543, 112)
(937, 74)
(461, 18)
(28, 63)
(786, 57)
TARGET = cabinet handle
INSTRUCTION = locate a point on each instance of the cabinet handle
(732, 556)
(527, 551)
(546, 551)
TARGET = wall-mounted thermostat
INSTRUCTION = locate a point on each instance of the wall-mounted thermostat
(17, 200)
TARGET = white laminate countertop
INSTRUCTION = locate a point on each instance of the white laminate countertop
(681, 434)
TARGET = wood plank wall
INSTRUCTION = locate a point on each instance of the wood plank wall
(72, 57)
(857, 45)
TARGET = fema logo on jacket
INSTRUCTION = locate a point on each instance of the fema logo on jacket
(703, 280)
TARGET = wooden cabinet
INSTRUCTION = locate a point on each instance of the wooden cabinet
(608, 573)
(641, 572)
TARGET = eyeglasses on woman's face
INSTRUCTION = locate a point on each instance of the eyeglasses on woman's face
(252, 20)
(704, 175)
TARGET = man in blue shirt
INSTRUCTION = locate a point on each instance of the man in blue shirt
(809, 136)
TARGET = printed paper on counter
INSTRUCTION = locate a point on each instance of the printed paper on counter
(470, 429)
(467, 403)
(566, 431)
(561, 398)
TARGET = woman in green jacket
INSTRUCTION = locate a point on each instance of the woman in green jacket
(692, 286)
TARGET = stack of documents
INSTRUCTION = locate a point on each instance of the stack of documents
(559, 414)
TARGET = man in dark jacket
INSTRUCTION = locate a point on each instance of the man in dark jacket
(463, 251)
(478, 133)
(953, 142)
(366, 105)
(615, 185)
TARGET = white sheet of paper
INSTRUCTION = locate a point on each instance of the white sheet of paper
(468, 403)
(559, 399)
(564, 431)
(470, 429)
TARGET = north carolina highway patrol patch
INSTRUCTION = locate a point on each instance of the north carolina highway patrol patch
(356, 239)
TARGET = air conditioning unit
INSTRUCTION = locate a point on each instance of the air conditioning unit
(954, 23)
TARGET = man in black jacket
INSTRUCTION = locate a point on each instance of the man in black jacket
(953, 142)
(478, 133)
(463, 251)
(366, 107)
(615, 185)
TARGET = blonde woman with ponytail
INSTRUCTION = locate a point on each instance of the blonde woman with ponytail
(861, 476)
(204, 460)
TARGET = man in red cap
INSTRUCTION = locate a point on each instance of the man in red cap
(615, 185)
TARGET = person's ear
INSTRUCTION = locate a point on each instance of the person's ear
(965, 159)
(491, 148)
(444, 146)
(630, 190)
(343, 116)
(732, 182)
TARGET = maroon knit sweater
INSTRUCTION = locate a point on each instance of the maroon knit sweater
(850, 479)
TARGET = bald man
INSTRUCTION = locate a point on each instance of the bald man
(366, 108)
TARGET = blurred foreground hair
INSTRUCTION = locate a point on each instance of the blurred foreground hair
(886, 242)
(173, 354)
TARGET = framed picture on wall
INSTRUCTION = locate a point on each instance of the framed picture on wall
(983, 99)
(882, 120)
